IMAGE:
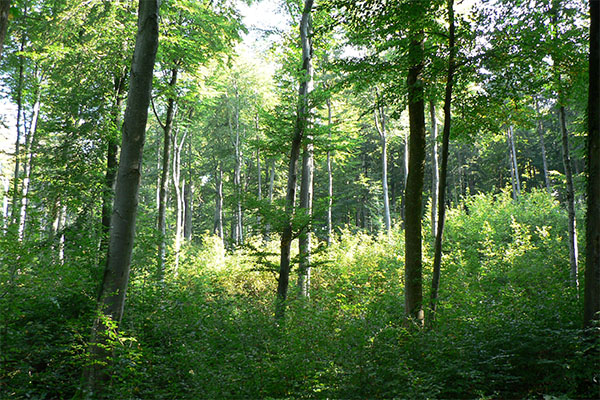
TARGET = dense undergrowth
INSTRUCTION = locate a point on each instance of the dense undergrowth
(508, 324)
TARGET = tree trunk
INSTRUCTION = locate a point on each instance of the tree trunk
(329, 178)
(441, 205)
(164, 178)
(179, 202)
(111, 164)
(188, 196)
(111, 299)
(435, 171)
(591, 310)
(572, 223)
(218, 226)
(4, 14)
(540, 129)
(306, 198)
(16, 207)
(380, 120)
(514, 170)
(414, 184)
(302, 118)
(271, 188)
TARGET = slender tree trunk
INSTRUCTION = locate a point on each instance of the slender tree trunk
(380, 121)
(441, 205)
(16, 207)
(188, 195)
(164, 178)
(591, 309)
(435, 171)
(305, 88)
(218, 226)
(414, 185)
(329, 177)
(30, 148)
(179, 200)
(111, 298)
(540, 129)
(111, 164)
(572, 223)
(271, 188)
(514, 170)
(306, 198)
(4, 15)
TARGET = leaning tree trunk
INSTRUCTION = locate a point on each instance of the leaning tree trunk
(111, 299)
(572, 223)
(414, 184)
(441, 205)
(591, 309)
(435, 171)
(164, 177)
(540, 129)
(302, 118)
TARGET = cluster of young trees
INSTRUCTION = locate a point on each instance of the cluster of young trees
(329, 129)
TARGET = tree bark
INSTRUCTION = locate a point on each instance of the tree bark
(306, 198)
(591, 310)
(16, 207)
(441, 205)
(540, 129)
(305, 88)
(179, 200)
(164, 178)
(4, 14)
(572, 223)
(435, 171)
(188, 196)
(218, 226)
(329, 178)
(414, 183)
(380, 120)
(514, 169)
(111, 299)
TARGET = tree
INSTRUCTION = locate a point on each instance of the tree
(111, 299)
(4, 13)
(591, 312)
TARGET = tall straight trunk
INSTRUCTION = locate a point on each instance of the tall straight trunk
(111, 298)
(405, 180)
(30, 148)
(572, 223)
(259, 183)
(540, 129)
(329, 178)
(179, 200)
(188, 196)
(441, 205)
(218, 226)
(414, 184)
(591, 308)
(270, 194)
(16, 207)
(306, 198)
(435, 171)
(164, 177)
(380, 120)
(111, 163)
(302, 118)
(514, 169)
(4, 16)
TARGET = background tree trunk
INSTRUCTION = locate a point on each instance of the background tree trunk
(380, 120)
(514, 169)
(218, 226)
(111, 298)
(4, 11)
(329, 177)
(435, 171)
(540, 129)
(188, 189)
(306, 199)
(591, 310)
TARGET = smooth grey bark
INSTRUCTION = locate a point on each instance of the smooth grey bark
(441, 205)
(270, 194)
(179, 200)
(188, 189)
(111, 298)
(329, 177)
(16, 206)
(413, 260)
(540, 129)
(304, 89)
(435, 170)
(514, 169)
(237, 231)
(306, 199)
(4, 14)
(380, 125)
(218, 225)
(259, 177)
(591, 308)
(164, 177)
(572, 222)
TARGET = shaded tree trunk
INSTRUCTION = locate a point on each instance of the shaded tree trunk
(572, 222)
(4, 14)
(305, 88)
(16, 206)
(441, 205)
(414, 184)
(591, 309)
(329, 177)
(164, 177)
(435, 171)
(540, 129)
(111, 298)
